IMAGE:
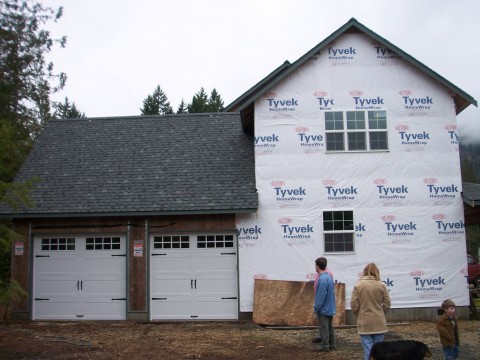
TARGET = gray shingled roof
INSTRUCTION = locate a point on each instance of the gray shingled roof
(194, 163)
(471, 194)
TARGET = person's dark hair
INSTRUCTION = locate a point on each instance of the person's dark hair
(321, 262)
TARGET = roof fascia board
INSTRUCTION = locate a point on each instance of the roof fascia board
(469, 202)
(120, 214)
(417, 63)
(261, 88)
(240, 101)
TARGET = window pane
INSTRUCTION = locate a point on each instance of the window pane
(334, 120)
(355, 120)
(328, 225)
(339, 242)
(378, 141)
(338, 220)
(335, 142)
(357, 141)
(328, 216)
(377, 119)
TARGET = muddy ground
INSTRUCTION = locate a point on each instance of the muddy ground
(201, 340)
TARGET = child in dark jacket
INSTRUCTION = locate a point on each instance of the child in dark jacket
(447, 327)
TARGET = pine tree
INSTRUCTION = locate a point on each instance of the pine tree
(215, 102)
(67, 110)
(157, 103)
(199, 102)
(182, 108)
(468, 175)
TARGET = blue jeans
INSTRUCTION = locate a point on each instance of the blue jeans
(450, 352)
(368, 341)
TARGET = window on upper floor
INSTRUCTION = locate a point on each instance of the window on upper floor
(338, 231)
(356, 130)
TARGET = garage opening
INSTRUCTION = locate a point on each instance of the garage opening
(79, 278)
(193, 277)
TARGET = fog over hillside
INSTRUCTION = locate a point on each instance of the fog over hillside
(469, 125)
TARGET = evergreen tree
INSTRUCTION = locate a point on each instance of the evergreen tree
(199, 102)
(468, 175)
(67, 110)
(156, 104)
(26, 79)
(215, 102)
(470, 161)
(182, 108)
(26, 82)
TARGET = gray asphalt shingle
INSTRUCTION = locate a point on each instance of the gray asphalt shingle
(201, 163)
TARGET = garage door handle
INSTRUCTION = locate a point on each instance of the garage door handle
(159, 298)
(42, 255)
(228, 253)
(193, 316)
(119, 299)
(41, 299)
(78, 285)
(229, 298)
(158, 254)
(120, 255)
(81, 285)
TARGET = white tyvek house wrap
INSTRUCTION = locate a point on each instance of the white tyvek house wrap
(407, 204)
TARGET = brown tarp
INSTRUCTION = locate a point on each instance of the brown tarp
(290, 303)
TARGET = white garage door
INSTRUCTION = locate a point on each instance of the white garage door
(79, 278)
(193, 277)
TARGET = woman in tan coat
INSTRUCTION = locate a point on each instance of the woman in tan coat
(369, 302)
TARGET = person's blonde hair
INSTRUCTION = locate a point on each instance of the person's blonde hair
(372, 270)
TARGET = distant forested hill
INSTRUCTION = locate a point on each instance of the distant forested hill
(470, 159)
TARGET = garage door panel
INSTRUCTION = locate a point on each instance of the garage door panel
(173, 286)
(216, 286)
(215, 262)
(107, 285)
(51, 285)
(173, 308)
(173, 262)
(103, 308)
(209, 307)
(55, 307)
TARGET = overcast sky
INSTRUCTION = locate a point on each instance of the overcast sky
(118, 51)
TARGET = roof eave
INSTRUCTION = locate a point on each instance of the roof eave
(244, 100)
(128, 213)
(469, 202)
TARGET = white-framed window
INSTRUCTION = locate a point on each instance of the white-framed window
(338, 231)
(214, 241)
(102, 243)
(58, 244)
(357, 130)
(171, 242)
